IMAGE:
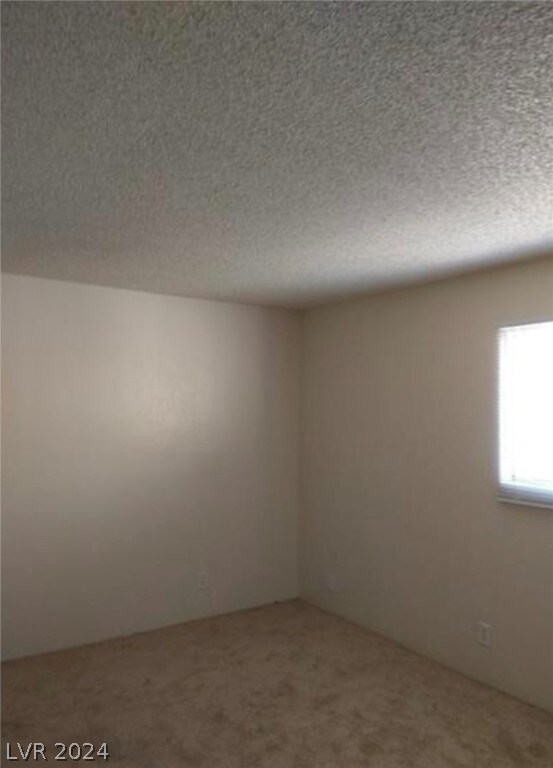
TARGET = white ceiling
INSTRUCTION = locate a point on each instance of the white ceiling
(278, 153)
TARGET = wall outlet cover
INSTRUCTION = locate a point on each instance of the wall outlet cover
(203, 579)
(484, 633)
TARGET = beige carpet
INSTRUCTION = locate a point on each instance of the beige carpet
(284, 686)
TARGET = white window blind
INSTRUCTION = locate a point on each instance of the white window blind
(526, 413)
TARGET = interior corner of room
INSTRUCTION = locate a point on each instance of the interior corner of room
(148, 440)
(276, 461)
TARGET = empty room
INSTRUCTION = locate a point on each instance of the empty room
(277, 384)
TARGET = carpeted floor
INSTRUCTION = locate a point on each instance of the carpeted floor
(284, 686)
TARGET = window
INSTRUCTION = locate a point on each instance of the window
(526, 414)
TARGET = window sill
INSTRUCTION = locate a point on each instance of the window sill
(525, 502)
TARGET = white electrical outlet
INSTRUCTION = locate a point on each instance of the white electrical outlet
(484, 633)
(203, 579)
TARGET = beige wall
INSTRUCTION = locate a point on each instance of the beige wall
(145, 438)
(399, 528)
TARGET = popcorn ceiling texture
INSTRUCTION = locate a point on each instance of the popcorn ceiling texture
(281, 153)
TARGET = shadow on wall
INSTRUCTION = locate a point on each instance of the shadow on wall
(146, 439)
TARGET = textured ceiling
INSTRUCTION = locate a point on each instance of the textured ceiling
(280, 153)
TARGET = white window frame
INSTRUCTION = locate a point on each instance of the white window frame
(516, 493)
